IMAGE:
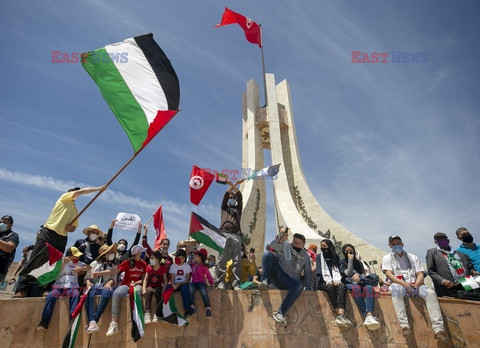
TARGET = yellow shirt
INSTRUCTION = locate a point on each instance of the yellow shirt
(62, 214)
(247, 268)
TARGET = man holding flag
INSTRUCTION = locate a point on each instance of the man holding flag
(232, 205)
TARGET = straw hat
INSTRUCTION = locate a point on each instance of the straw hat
(105, 249)
(93, 227)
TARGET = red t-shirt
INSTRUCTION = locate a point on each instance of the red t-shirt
(155, 278)
(132, 273)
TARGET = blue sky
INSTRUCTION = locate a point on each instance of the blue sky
(386, 148)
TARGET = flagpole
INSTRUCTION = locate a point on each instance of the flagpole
(263, 69)
(149, 220)
(113, 178)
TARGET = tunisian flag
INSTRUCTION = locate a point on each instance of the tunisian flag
(252, 29)
(159, 227)
(200, 180)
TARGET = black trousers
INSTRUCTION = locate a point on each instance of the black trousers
(336, 294)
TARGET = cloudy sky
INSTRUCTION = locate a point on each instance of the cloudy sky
(386, 148)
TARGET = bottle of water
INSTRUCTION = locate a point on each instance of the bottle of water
(287, 250)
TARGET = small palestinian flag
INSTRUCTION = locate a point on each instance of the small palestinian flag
(45, 266)
(204, 232)
(268, 171)
(75, 321)
(169, 310)
(469, 283)
(221, 178)
(139, 84)
(137, 314)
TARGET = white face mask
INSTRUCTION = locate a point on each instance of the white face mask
(121, 248)
(111, 257)
(93, 237)
(3, 227)
(153, 262)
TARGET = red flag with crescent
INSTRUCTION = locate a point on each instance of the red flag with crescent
(200, 181)
(252, 29)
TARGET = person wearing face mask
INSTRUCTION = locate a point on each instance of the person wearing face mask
(329, 279)
(406, 274)
(103, 286)
(445, 266)
(468, 247)
(153, 284)
(123, 252)
(134, 270)
(283, 264)
(231, 214)
(8, 244)
(89, 246)
(212, 262)
(66, 285)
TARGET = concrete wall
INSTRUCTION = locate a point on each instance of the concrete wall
(244, 319)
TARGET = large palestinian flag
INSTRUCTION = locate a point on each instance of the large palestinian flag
(204, 232)
(169, 310)
(137, 314)
(45, 266)
(139, 84)
(75, 321)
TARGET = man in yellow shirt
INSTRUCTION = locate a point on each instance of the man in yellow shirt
(55, 230)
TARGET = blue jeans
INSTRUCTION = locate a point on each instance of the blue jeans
(92, 314)
(202, 287)
(185, 292)
(72, 294)
(273, 272)
(364, 297)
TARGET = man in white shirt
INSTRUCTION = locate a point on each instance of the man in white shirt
(406, 274)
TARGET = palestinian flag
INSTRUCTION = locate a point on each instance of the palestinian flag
(268, 171)
(45, 266)
(469, 283)
(139, 84)
(221, 178)
(170, 312)
(75, 321)
(204, 232)
(137, 314)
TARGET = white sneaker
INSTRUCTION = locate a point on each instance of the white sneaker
(346, 322)
(147, 319)
(371, 323)
(278, 317)
(155, 318)
(221, 286)
(92, 327)
(112, 329)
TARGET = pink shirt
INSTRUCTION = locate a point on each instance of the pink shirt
(199, 272)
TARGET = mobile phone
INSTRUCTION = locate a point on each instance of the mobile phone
(252, 250)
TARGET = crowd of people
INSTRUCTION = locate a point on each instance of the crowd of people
(110, 269)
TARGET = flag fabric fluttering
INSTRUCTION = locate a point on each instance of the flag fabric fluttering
(469, 282)
(139, 84)
(268, 171)
(252, 29)
(159, 228)
(45, 266)
(221, 178)
(76, 320)
(169, 310)
(204, 232)
(137, 331)
(200, 181)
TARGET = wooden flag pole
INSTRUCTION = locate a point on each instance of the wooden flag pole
(113, 178)
(149, 220)
(263, 69)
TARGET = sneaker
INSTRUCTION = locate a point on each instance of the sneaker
(406, 331)
(371, 323)
(92, 327)
(342, 321)
(147, 318)
(264, 285)
(278, 317)
(236, 286)
(338, 320)
(155, 318)
(192, 310)
(112, 329)
(441, 336)
(221, 286)
(208, 313)
(43, 325)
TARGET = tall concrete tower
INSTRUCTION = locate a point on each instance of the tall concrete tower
(272, 127)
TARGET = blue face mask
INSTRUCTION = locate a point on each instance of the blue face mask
(3, 227)
(232, 202)
(142, 255)
(397, 249)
